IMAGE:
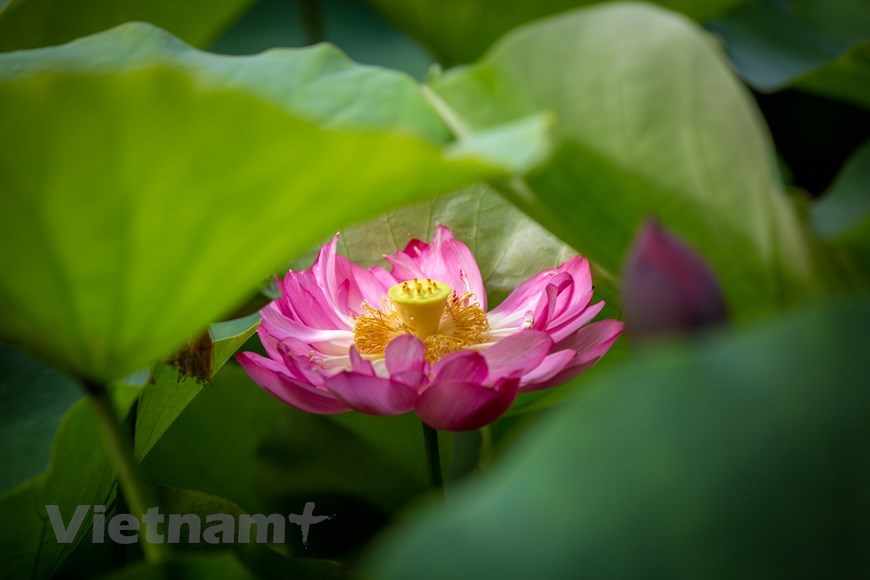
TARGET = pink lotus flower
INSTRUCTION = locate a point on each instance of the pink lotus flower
(419, 337)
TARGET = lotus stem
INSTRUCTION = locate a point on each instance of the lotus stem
(136, 492)
(433, 456)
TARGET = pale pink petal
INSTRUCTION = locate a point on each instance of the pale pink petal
(364, 285)
(305, 300)
(348, 286)
(459, 263)
(552, 364)
(592, 336)
(578, 268)
(324, 271)
(328, 341)
(270, 343)
(360, 365)
(372, 395)
(446, 260)
(570, 324)
(462, 406)
(548, 308)
(406, 266)
(521, 302)
(406, 361)
(463, 366)
(589, 344)
(516, 355)
(272, 376)
(300, 367)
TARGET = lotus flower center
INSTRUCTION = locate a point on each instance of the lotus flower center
(428, 309)
(420, 304)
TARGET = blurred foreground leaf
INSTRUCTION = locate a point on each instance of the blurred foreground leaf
(78, 473)
(224, 566)
(650, 122)
(740, 457)
(145, 196)
(843, 214)
(34, 23)
(33, 400)
(821, 45)
(847, 77)
(237, 442)
(259, 558)
(459, 31)
(170, 390)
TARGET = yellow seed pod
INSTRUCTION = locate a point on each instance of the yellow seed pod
(420, 303)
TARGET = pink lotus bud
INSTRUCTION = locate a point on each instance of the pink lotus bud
(667, 287)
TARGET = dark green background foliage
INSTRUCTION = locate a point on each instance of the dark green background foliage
(155, 171)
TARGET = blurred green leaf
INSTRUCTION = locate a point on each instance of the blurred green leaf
(227, 337)
(847, 77)
(188, 567)
(259, 558)
(743, 456)
(171, 390)
(459, 31)
(160, 404)
(351, 24)
(237, 442)
(33, 400)
(79, 473)
(651, 122)
(34, 23)
(222, 427)
(846, 204)
(819, 45)
(843, 214)
(317, 83)
(143, 199)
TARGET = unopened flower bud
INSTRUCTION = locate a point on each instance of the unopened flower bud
(667, 287)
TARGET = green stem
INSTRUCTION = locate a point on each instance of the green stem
(433, 456)
(312, 20)
(136, 493)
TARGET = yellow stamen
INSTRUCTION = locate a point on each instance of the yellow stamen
(461, 322)
(420, 304)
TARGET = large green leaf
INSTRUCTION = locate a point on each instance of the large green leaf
(33, 400)
(843, 214)
(741, 457)
(318, 83)
(351, 24)
(173, 387)
(79, 473)
(820, 45)
(360, 467)
(259, 558)
(459, 31)
(227, 337)
(508, 245)
(650, 122)
(224, 425)
(33, 23)
(143, 198)
(847, 77)
(224, 565)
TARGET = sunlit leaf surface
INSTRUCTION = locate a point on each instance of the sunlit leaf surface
(144, 197)
(650, 123)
